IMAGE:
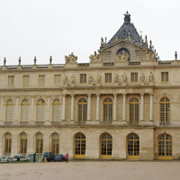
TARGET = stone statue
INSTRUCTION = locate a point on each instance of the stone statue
(19, 61)
(35, 60)
(71, 59)
(4, 61)
(127, 17)
(50, 60)
(142, 78)
(90, 79)
(73, 80)
(124, 78)
(151, 78)
(65, 81)
(98, 79)
(95, 58)
(149, 56)
(122, 57)
(116, 78)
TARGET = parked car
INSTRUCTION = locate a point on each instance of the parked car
(19, 157)
(49, 156)
(59, 157)
(5, 159)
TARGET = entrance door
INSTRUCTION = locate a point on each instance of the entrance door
(164, 147)
(133, 146)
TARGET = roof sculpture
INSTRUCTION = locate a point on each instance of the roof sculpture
(127, 31)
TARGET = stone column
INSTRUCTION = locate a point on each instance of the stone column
(151, 108)
(114, 108)
(124, 107)
(64, 107)
(72, 107)
(47, 109)
(142, 108)
(32, 118)
(89, 108)
(2, 111)
(16, 111)
(97, 107)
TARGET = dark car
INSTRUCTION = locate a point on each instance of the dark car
(19, 157)
(49, 156)
(59, 157)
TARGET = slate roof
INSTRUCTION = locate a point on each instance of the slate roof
(127, 30)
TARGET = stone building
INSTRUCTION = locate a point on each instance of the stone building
(123, 104)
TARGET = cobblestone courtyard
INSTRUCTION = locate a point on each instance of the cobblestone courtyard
(88, 170)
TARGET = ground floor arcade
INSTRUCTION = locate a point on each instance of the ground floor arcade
(93, 142)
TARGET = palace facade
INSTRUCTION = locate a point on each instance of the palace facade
(123, 104)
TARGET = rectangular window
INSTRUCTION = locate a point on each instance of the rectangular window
(10, 81)
(26, 80)
(41, 80)
(82, 78)
(164, 77)
(134, 77)
(57, 79)
(108, 77)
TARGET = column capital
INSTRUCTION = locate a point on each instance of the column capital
(89, 94)
(151, 94)
(115, 94)
(97, 94)
(124, 94)
(142, 93)
(72, 95)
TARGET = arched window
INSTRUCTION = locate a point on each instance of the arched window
(23, 143)
(82, 110)
(164, 146)
(9, 110)
(55, 143)
(56, 110)
(41, 110)
(164, 111)
(107, 110)
(7, 143)
(79, 145)
(105, 146)
(133, 146)
(133, 111)
(39, 143)
(25, 111)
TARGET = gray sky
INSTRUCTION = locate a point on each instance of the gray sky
(56, 28)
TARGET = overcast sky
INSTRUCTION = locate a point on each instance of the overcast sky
(56, 28)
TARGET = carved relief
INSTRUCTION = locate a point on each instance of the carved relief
(116, 79)
(90, 79)
(73, 80)
(65, 82)
(71, 59)
(98, 80)
(124, 78)
(142, 78)
(149, 56)
(96, 58)
(122, 57)
(151, 77)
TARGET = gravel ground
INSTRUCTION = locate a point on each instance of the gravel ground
(92, 170)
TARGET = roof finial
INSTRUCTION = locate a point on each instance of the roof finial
(19, 61)
(127, 17)
(176, 55)
(35, 60)
(50, 60)
(4, 61)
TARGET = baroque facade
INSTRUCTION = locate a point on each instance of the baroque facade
(123, 104)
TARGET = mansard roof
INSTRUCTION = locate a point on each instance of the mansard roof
(127, 31)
